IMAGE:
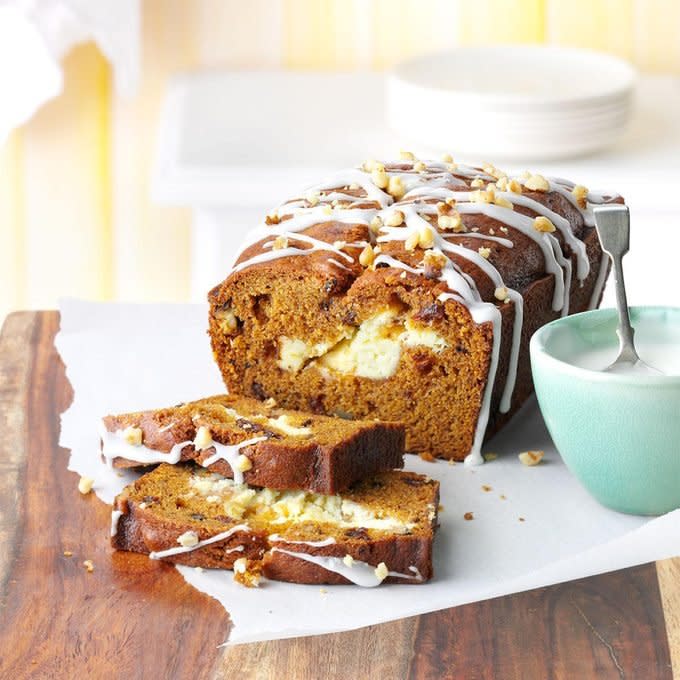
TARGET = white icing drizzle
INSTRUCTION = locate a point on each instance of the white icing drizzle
(314, 544)
(355, 176)
(360, 573)
(338, 264)
(422, 189)
(599, 283)
(470, 294)
(565, 187)
(415, 575)
(272, 254)
(115, 516)
(158, 554)
(230, 454)
(565, 264)
(505, 242)
(114, 446)
(238, 548)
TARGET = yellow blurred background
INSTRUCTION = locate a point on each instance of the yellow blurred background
(75, 212)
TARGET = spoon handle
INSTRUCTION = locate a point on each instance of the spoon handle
(613, 228)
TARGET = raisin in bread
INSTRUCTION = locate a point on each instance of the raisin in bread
(380, 530)
(256, 443)
(408, 291)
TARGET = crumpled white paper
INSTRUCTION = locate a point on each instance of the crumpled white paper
(126, 357)
(36, 34)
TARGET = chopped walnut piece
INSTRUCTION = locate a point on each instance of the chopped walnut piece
(376, 225)
(367, 256)
(447, 158)
(543, 224)
(203, 438)
(381, 571)
(348, 560)
(501, 293)
(369, 164)
(188, 539)
(68, 553)
(280, 243)
(247, 572)
(434, 262)
(339, 244)
(132, 436)
(89, 566)
(537, 183)
(396, 187)
(426, 456)
(85, 485)
(490, 456)
(379, 177)
(484, 252)
(426, 237)
(406, 156)
(477, 183)
(531, 458)
(396, 219)
(412, 241)
(492, 170)
(514, 186)
(451, 222)
(581, 194)
(243, 463)
(481, 196)
(486, 488)
(272, 218)
(419, 166)
(312, 198)
(227, 320)
(468, 516)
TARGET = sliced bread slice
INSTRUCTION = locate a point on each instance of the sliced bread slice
(381, 530)
(256, 443)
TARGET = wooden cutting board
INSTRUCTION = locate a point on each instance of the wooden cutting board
(135, 618)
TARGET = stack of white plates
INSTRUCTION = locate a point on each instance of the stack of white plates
(512, 102)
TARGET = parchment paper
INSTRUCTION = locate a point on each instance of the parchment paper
(122, 357)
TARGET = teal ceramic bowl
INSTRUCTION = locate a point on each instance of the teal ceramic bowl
(618, 434)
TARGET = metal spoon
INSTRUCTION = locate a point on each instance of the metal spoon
(613, 228)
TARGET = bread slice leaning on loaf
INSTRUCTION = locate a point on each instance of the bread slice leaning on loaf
(256, 443)
(379, 531)
(408, 291)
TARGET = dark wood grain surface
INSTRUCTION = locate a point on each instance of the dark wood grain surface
(134, 618)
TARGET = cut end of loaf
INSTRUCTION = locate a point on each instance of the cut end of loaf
(385, 349)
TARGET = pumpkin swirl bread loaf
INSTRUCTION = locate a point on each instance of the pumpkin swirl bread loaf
(408, 291)
(256, 443)
(381, 530)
